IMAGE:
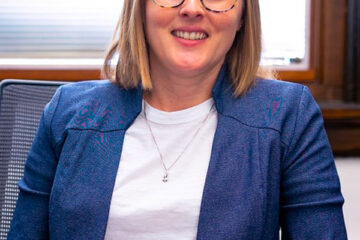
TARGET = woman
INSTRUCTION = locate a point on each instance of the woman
(187, 144)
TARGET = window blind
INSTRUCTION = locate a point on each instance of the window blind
(83, 29)
(56, 29)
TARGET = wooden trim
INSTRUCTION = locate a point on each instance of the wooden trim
(344, 141)
(341, 114)
(86, 74)
(329, 66)
(333, 42)
(51, 74)
(306, 76)
(342, 124)
(340, 111)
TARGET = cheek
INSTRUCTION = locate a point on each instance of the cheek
(227, 22)
(227, 27)
(156, 21)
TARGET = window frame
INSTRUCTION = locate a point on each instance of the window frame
(308, 75)
(73, 73)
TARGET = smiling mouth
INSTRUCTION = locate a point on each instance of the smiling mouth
(190, 35)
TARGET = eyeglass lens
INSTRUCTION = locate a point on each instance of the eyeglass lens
(213, 5)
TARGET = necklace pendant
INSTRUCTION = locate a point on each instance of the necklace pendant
(165, 178)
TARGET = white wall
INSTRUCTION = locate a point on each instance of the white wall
(349, 173)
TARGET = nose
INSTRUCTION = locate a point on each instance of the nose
(192, 8)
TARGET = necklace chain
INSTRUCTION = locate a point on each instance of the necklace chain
(167, 169)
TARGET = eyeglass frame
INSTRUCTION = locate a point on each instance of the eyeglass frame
(202, 2)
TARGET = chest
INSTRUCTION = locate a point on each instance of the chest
(143, 206)
(239, 192)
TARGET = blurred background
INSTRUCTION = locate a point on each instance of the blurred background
(313, 42)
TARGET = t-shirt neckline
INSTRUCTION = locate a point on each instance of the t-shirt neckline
(192, 114)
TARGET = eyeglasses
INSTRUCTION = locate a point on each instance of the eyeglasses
(216, 6)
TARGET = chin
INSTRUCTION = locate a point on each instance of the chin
(190, 65)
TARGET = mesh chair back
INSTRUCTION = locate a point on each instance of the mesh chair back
(21, 106)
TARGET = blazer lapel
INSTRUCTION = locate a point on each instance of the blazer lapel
(232, 201)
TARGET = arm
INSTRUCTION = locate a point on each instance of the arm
(31, 215)
(311, 201)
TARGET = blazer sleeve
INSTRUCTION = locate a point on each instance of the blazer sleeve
(31, 216)
(311, 201)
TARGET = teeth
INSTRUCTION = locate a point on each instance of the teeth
(190, 35)
(186, 35)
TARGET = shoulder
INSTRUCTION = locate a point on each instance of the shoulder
(273, 105)
(267, 89)
(87, 89)
(69, 98)
(96, 105)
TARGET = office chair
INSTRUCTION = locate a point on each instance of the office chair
(21, 106)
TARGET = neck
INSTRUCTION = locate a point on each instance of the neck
(172, 92)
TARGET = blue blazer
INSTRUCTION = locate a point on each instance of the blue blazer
(271, 165)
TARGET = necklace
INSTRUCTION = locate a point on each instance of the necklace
(167, 169)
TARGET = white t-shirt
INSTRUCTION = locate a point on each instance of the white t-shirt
(143, 207)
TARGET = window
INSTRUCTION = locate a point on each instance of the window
(285, 25)
(73, 34)
(58, 31)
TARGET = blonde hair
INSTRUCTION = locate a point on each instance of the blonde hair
(133, 63)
